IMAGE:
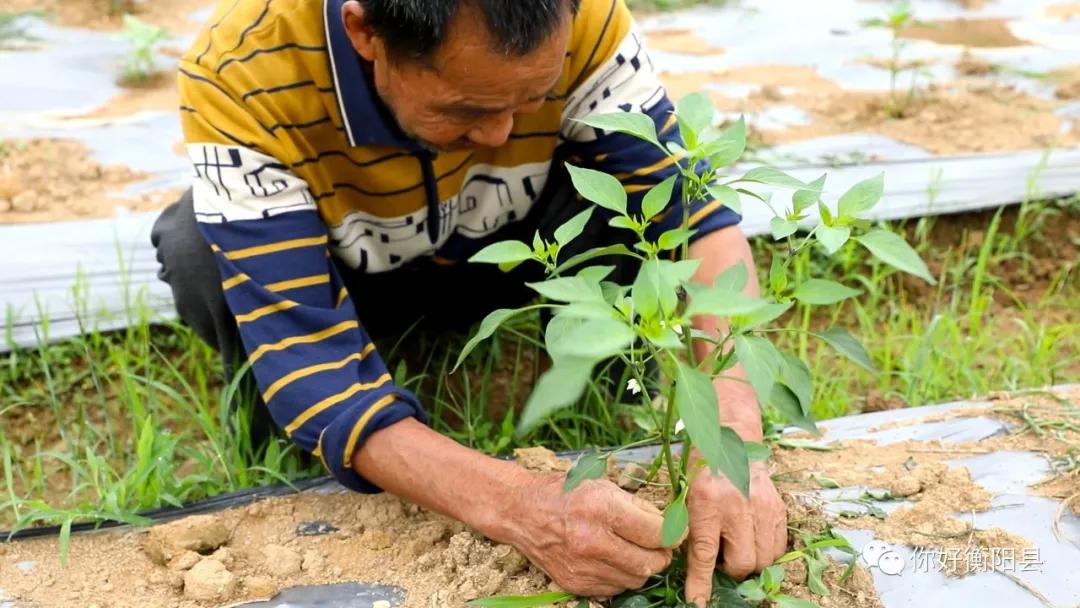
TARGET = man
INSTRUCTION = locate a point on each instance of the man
(347, 155)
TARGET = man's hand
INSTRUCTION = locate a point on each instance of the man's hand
(594, 541)
(751, 533)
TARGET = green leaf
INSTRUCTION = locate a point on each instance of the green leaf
(733, 278)
(815, 574)
(591, 339)
(728, 197)
(592, 254)
(557, 388)
(822, 292)
(729, 147)
(751, 589)
(695, 113)
(624, 222)
(598, 187)
(724, 597)
(695, 398)
(587, 310)
(861, 197)
(786, 601)
(679, 272)
(676, 521)
(796, 376)
(778, 278)
(572, 228)
(761, 361)
(782, 228)
(595, 274)
(772, 177)
(591, 465)
(894, 251)
(833, 237)
(673, 239)
(757, 452)
(771, 579)
(734, 461)
(847, 345)
(721, 302)
(765, 314)
(804, 199)
(488, 327)
(505, 252)
(635, 600)
(568, 289)
(664, 337)
(639, 125)
(785, 401)
(658, 198)
(538, 244)
(523, 601)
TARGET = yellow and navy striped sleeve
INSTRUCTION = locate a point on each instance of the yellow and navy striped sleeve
(315, 366)
(612, 72)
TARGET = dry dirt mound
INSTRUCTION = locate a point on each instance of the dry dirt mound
(45, 180)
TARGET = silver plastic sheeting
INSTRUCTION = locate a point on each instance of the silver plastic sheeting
(71, 71)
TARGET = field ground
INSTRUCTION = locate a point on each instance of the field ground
(110, 424)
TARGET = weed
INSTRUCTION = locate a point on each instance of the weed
(898, 19)
(143, 38)
(650, 322)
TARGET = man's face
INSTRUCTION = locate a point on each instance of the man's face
(468, 94)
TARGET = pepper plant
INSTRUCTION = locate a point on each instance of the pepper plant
(648, 324)
(142, 38)
(896, 21)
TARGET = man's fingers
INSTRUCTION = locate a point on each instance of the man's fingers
(780, 537)
(740, 546)
(765, 541)
(704, 547)
(638, 522)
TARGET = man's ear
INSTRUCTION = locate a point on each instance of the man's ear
(362, 36)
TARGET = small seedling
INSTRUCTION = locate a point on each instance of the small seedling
(900, 18)
(766, 588)
(812, 552)
(143, 38)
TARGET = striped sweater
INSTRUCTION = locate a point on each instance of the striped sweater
(296, 161)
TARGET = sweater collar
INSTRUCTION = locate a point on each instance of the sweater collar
(368, 122)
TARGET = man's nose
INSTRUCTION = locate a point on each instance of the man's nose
(494, 131)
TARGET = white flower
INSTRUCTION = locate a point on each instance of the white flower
(679, 426)
(678, 329)
(633, 386)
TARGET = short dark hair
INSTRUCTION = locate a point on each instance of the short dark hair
(414, 29)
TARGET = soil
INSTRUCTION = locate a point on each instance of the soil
(1066, 11)
(972, 33)
(966, 117)
(252, 552)
(683, 41)
(45, 180)
(108, 14)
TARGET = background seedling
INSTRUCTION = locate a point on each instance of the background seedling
(649, 324)
(13, 27)
(900, 18)
(142, 38)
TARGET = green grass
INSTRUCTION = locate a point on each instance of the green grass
(109, 424)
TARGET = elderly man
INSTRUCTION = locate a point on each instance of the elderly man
(348, 155)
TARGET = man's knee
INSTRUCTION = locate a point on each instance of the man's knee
(188, 265)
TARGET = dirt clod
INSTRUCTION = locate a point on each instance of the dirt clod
(184, 561)
(281, 561)
(259, 586)
(209, 581)
(905, 486)
(201, 534)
